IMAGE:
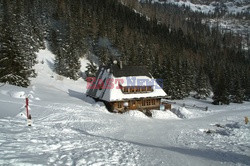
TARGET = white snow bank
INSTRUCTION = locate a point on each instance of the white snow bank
(230, 7)
(15, 94)
(182, 112)
(230, 129)
(22, 115)
(37, 98)
(235, 136)
(163, 114)
(136, 113)
(18, 95)
(46, 75)
(3, 92)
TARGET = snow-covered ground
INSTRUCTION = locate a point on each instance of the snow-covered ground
(239, 26)
(233, 6)
(71, 129)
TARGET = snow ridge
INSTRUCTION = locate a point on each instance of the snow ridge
(231, 7)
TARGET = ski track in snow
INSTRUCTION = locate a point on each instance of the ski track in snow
(68, 141)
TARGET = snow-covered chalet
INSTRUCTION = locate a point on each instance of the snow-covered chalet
(124, 88)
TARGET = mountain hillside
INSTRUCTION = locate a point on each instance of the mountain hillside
(175, 45)
(231, 16)
(69, 128)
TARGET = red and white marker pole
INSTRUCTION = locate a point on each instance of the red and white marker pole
(27, 111)
(27, 106)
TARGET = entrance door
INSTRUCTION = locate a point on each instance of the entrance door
(132, 105)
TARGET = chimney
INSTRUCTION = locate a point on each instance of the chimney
(120, 64)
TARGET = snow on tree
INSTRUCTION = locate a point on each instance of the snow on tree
(202, 85)
(91, 70)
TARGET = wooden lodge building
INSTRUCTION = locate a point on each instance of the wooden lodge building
(124, 88)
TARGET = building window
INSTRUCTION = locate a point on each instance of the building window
(143, 102)
(148, 102)
(119, 104)
(132, 103)
(149, 89)
(137, 89)
(126, 89)
(153, 102)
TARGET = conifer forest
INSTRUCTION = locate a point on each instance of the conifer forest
(175, 45)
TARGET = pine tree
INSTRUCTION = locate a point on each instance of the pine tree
(17, 53)
(67, 61)
(239, 92)
(181, 91)
(12, 68)
(91, 70)
(169, 77)
(202, 85)
(104, 55)
(188, 72)
(221, 94)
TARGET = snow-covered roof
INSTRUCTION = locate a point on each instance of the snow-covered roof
(111, 90)
(137, 81)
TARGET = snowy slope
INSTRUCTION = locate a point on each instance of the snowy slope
(226, 9)
(47, 76)
(233, 7)
(71, 129)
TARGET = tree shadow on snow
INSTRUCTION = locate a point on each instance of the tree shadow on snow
(50, 64)
(209, 154)
(81, 96)
(212, 154)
